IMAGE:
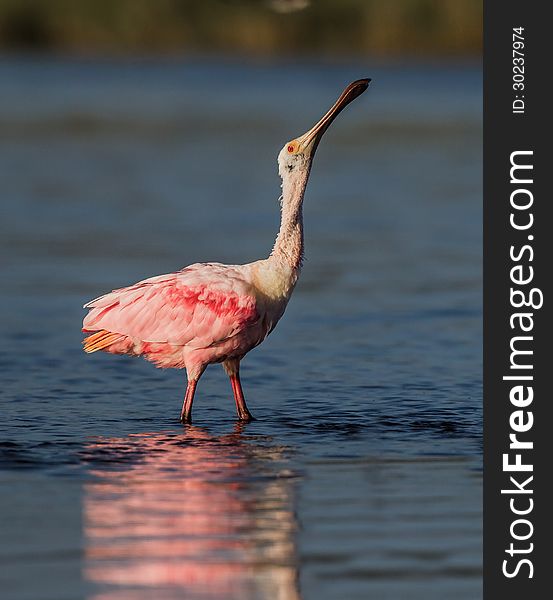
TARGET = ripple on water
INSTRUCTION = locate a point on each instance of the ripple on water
(362, 475)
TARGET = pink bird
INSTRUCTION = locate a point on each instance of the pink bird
(210, 312)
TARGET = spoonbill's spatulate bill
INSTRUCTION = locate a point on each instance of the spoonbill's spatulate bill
(210, 312)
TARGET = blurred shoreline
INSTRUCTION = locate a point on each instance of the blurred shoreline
(287, 28)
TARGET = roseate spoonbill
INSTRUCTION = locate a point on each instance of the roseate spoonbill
(209, 312)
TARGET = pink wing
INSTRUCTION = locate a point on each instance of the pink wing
(199, 306)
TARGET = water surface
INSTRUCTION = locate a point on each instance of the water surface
(361, 476)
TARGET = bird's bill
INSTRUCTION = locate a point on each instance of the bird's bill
(312, 137)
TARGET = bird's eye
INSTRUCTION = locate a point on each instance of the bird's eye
(291, 148)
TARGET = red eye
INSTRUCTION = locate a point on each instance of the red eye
(291, 148)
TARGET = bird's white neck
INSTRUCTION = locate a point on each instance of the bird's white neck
(288, 248)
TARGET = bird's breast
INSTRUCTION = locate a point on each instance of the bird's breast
(274, 283)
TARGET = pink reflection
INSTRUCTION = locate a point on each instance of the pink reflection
(189, 516)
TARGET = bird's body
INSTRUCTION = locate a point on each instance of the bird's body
(206, 313)
(210, 312)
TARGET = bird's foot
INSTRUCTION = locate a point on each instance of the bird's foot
(245, 417)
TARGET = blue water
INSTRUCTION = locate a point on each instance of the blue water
(361, 477)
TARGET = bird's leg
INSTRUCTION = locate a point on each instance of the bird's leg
(232, 369)
(243, 413)
(186, 412)
(193, 372)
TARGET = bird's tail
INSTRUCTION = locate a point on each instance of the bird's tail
(100, 340)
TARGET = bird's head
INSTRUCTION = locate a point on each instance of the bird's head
(298, 153)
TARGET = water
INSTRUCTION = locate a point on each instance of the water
(361, 477)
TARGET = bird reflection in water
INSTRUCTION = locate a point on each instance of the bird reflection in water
(173, 515)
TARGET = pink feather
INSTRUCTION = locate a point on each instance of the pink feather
(166, 318)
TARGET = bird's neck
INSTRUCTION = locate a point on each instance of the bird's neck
(288, 248)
